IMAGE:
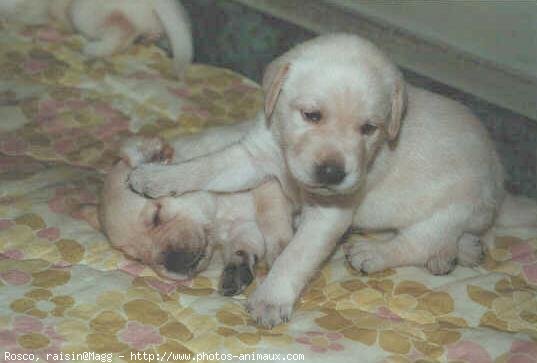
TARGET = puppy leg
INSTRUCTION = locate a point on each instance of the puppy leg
(240, 257)
(188, 147)
(432, 243)
(117, 34)
(274, 217)
(239, 167)
(321, 228)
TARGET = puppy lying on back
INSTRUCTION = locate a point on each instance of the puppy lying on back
(112, 25)
(177, 236)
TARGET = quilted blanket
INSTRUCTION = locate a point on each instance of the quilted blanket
(66, 295)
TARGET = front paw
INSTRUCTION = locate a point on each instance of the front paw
(150, 180)
(271, 306)
(137, 150)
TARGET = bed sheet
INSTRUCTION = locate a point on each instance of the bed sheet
(64, 290)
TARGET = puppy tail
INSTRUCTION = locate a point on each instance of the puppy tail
(177, 26)
(517, 211)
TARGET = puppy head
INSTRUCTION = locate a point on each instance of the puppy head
(182, 228)
(332, 102)
(170, 234)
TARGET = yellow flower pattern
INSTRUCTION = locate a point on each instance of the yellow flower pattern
(63, 289)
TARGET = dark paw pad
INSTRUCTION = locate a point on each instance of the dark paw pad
(235, 278)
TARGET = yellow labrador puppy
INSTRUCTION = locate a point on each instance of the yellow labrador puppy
(354, 146)
(112, 25)
(177, 236)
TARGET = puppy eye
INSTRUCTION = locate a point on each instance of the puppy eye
(156, 220)
(368, 129)
(313, 116)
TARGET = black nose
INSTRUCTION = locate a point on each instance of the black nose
(182, 261)
(330, 173)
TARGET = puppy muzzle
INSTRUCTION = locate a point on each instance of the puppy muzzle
(184, 262)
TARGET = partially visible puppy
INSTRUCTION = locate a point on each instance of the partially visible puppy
(112, 25)
(177, 236)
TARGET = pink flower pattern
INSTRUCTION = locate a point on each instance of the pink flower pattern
(34, 66)
(50, 233)
(166, 287)
(467, 351)
(522, 351)
(140, 336)
(65, 138)
(51, 35)
(321, 342)
(524, 254)
(12, 255)
(13, 146)
(58, 120)
(15, 277)
(22, 325)
(66, 200)
(6, 223)
(385, 313)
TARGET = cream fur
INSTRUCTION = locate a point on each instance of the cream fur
(428, 171)
(237, 225)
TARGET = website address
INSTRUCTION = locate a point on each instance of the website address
(178, 357)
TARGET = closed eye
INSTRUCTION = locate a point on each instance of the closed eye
(156, 220)
(368, 129)
(312, 116)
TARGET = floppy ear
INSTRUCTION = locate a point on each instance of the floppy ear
(273, 80)
(399, 101)
(90, 214)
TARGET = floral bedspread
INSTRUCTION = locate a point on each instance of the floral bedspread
(64, 290)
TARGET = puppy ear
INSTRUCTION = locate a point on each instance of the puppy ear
(273, 80)
(90, 213)
(399, 102)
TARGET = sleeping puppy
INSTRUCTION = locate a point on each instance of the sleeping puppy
(354, 146)
(177, 236)
(111, 25)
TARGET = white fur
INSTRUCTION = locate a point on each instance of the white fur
(429, 171)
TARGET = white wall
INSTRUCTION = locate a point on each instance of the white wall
(487, 48)
(501, 32)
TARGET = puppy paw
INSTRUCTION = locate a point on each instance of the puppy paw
(366, 257)
(470, 252)
(150, 180)
(235, 278)
(139, 150)
(270, 307)
(441, 265)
